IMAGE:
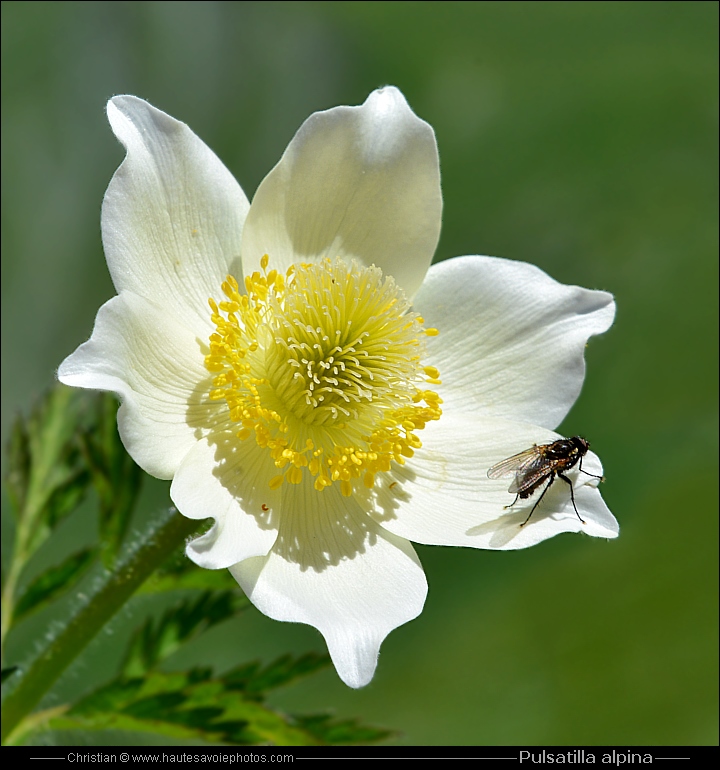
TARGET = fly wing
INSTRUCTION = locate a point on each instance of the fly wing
(528, 477)
(529, 467)
(517, 464)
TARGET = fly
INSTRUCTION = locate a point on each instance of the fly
(540, 464)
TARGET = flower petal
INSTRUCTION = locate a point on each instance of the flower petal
(155, 365)
(333, 568)
(355, 182)
(173, 215)
(511, 339)
(444, 497)
(228, 480)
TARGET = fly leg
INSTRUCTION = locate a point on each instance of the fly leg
(549, 484)
(572, 494)
(602, 478)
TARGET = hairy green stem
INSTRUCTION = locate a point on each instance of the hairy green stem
(170, 532)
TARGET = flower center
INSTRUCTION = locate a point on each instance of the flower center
(322, 366)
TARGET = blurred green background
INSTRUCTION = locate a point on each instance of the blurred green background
(579, 136)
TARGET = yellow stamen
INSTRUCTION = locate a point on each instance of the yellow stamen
(321, 366)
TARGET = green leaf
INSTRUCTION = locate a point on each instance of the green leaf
(115, 476)
(196, 704)
(7, 673)
(47, 475)
(18, 473)
(53, 582)
(64, 498)
(187, 705)
(156, 641)
(253, 679)
(46, 481)
(194, 579)
(178, 573)
(349, 731)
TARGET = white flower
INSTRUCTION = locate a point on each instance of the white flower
(346, 397)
